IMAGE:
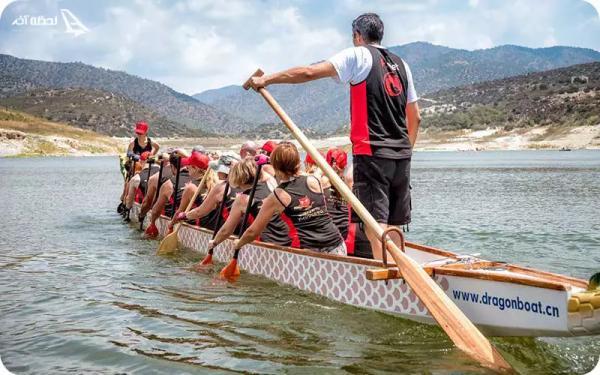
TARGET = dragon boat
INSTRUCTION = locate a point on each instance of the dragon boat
(501, 299)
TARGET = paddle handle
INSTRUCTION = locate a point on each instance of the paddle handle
(250, 199)
(459, 328)
(158, 183)
(220, 217)
(176, 187)
(236, 253)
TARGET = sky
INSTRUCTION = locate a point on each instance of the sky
(195, 45)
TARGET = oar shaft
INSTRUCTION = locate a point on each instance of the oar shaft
(458, 327)
(159, 182)
(236, 253)
(220, 216)
(250, 200)
(176, 187)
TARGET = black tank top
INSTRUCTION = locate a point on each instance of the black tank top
(338, 209)
(308, 212)
(378, 109)
(145, 175)
(138, 149)
(210, 221)
(276, 232)
(184, 178)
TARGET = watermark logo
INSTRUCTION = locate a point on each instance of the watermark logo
(73, 25)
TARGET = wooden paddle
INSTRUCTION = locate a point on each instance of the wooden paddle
(169, 244)
(232, 269)
(208, 259)
(451, 319)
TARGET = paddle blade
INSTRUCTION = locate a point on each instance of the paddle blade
(231, 270)
(168, 245)
(207, 261)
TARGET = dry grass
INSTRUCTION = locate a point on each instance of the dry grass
(44, 137)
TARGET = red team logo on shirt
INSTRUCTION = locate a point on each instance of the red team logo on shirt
(392, 84)
(304, 202)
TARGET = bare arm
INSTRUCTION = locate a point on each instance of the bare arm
(155, 147)
(299, 74)
(150, 193)
(413, 120)
(211, 202)
(163, 197)
(270, 207)
(233, 219)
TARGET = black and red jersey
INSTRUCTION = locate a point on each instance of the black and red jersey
(378, 109)
(307, 212)
(210, 220)
(337, 206)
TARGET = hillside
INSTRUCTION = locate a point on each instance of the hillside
(25, 135)
(323, 105)
(167, 102)
(100, 111)
(565, 97)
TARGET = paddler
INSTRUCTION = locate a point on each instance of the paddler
(267, 149)
(242, 176)
(197, 165)
(142, 142)
(208, 211)
(249, 148)
(301, 198)
(135, 190)
(384, 119)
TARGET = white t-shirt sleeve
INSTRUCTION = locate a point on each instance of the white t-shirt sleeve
(411, 93)
(352, 65)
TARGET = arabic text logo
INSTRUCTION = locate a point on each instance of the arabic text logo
(73, 25)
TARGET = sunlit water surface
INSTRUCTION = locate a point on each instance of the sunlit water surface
(81, 292)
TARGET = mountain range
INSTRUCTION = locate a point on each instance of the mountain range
(565, 97)
(110, 101)
(165, 101)
(91, 109)
(323, 105)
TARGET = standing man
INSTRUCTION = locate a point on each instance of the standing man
(384, 119)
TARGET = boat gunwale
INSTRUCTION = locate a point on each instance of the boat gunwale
(532, 277)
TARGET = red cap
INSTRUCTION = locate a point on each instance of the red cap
(145, 155)
(309, 160)
(141, 128)
(197, 159)
(338, 156)
(269, 146)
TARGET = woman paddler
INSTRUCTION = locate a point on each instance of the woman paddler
(242, 176)
(357, 243)
(208, 211)
(301, 198)
(142, 142)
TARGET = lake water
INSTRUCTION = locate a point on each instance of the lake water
(82, 293)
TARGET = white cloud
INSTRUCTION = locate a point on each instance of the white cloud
(194, 45)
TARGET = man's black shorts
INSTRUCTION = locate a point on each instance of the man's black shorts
(383, 187)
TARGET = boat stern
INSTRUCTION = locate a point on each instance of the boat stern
(584, 309)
